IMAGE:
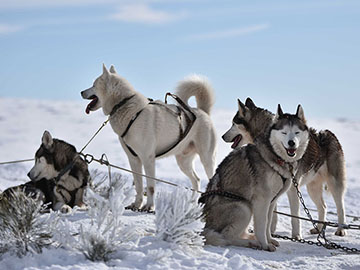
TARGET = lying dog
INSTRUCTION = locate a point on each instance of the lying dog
(59, 175)
(249, 181)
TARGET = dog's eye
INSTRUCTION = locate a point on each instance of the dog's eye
(297, 133)
(284, 133)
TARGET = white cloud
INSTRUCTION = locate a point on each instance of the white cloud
(229, 33)
(143, 13)
(7, 28)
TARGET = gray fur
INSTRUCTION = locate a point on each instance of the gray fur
(52, 156)
(323, 162)
(253, 173)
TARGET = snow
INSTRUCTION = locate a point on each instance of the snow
(22, 123)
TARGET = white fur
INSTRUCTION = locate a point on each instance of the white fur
(156, 130)
(279, 140)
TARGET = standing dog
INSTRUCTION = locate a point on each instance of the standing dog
(59, 173)
(249, 181)
(148, 130)
(323, 162)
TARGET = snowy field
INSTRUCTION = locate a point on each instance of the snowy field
(22, 123)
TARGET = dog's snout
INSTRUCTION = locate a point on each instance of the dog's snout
(291, 143)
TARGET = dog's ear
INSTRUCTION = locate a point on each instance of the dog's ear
(47, 140)
(112, 70)
(300, 113)
(106, 73)
(279, 112)
(242, 109)
(250, 104)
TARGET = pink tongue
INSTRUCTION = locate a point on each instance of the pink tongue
(291, 151)
(236, 141)
(91, 104)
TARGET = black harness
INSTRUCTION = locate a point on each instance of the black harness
(222, 193)
(183, 108)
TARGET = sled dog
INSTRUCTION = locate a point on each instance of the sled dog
(60, 175)
(323, 162)
(152, 129)
(249, 181)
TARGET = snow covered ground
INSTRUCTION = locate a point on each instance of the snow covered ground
(22, 123)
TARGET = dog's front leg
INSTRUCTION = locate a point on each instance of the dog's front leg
(149, 166)
(270, 224)
(294, 210)
(261, 223)
(136, 166)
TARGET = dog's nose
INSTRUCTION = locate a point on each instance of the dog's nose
(291, 143)
(29, 175)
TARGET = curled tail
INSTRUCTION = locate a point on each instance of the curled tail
(198, 86)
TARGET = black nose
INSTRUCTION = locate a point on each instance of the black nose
(291, 143)
(28, 174)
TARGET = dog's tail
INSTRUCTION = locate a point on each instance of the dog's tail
(198, 86)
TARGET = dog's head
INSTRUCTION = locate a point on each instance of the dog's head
(51, 157)
(106, 91)
(289, 135)
(44, 160)
(249, 122)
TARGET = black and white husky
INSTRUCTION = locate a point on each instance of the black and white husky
(148, 130)
(323, 162)
(60, 175)
(249, 181)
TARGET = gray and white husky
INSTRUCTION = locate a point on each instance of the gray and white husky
(323, 162)
(249, 181)
(149, 130)
(63, 188)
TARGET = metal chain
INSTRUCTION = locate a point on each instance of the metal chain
(327, 244)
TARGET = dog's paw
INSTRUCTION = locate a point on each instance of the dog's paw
(255, 244)
(65, 209)
(340, 232)
(297, 236)
(314, 231)
(274, 242)
(134, 205)
(148, 208)
(270, 247)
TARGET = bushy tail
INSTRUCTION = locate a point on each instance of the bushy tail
(198, 86)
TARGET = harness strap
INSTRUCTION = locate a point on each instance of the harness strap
(67, 168)
(189, 123)
(223, 193)
(120, 104)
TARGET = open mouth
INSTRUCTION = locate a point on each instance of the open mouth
(92, 104)
(236, 141)
(291, 152)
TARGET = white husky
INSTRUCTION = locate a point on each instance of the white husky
(148, 130)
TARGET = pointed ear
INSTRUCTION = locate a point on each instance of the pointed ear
(105, 71)
(47, 140)
(279, 112)
(300, 113)
(250, 104)
(112, 70)
(242, 109)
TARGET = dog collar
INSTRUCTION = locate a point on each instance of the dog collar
(120, 104)
(280, 161)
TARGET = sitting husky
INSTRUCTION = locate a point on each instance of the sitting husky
(60, 175)
(148, 130)
(249, 181)
(323, 161)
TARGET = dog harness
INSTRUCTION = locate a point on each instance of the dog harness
(183, 109)
(223, 193)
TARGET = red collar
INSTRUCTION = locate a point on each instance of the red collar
(280, 161)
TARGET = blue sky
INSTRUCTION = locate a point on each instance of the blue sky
(286, 52)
